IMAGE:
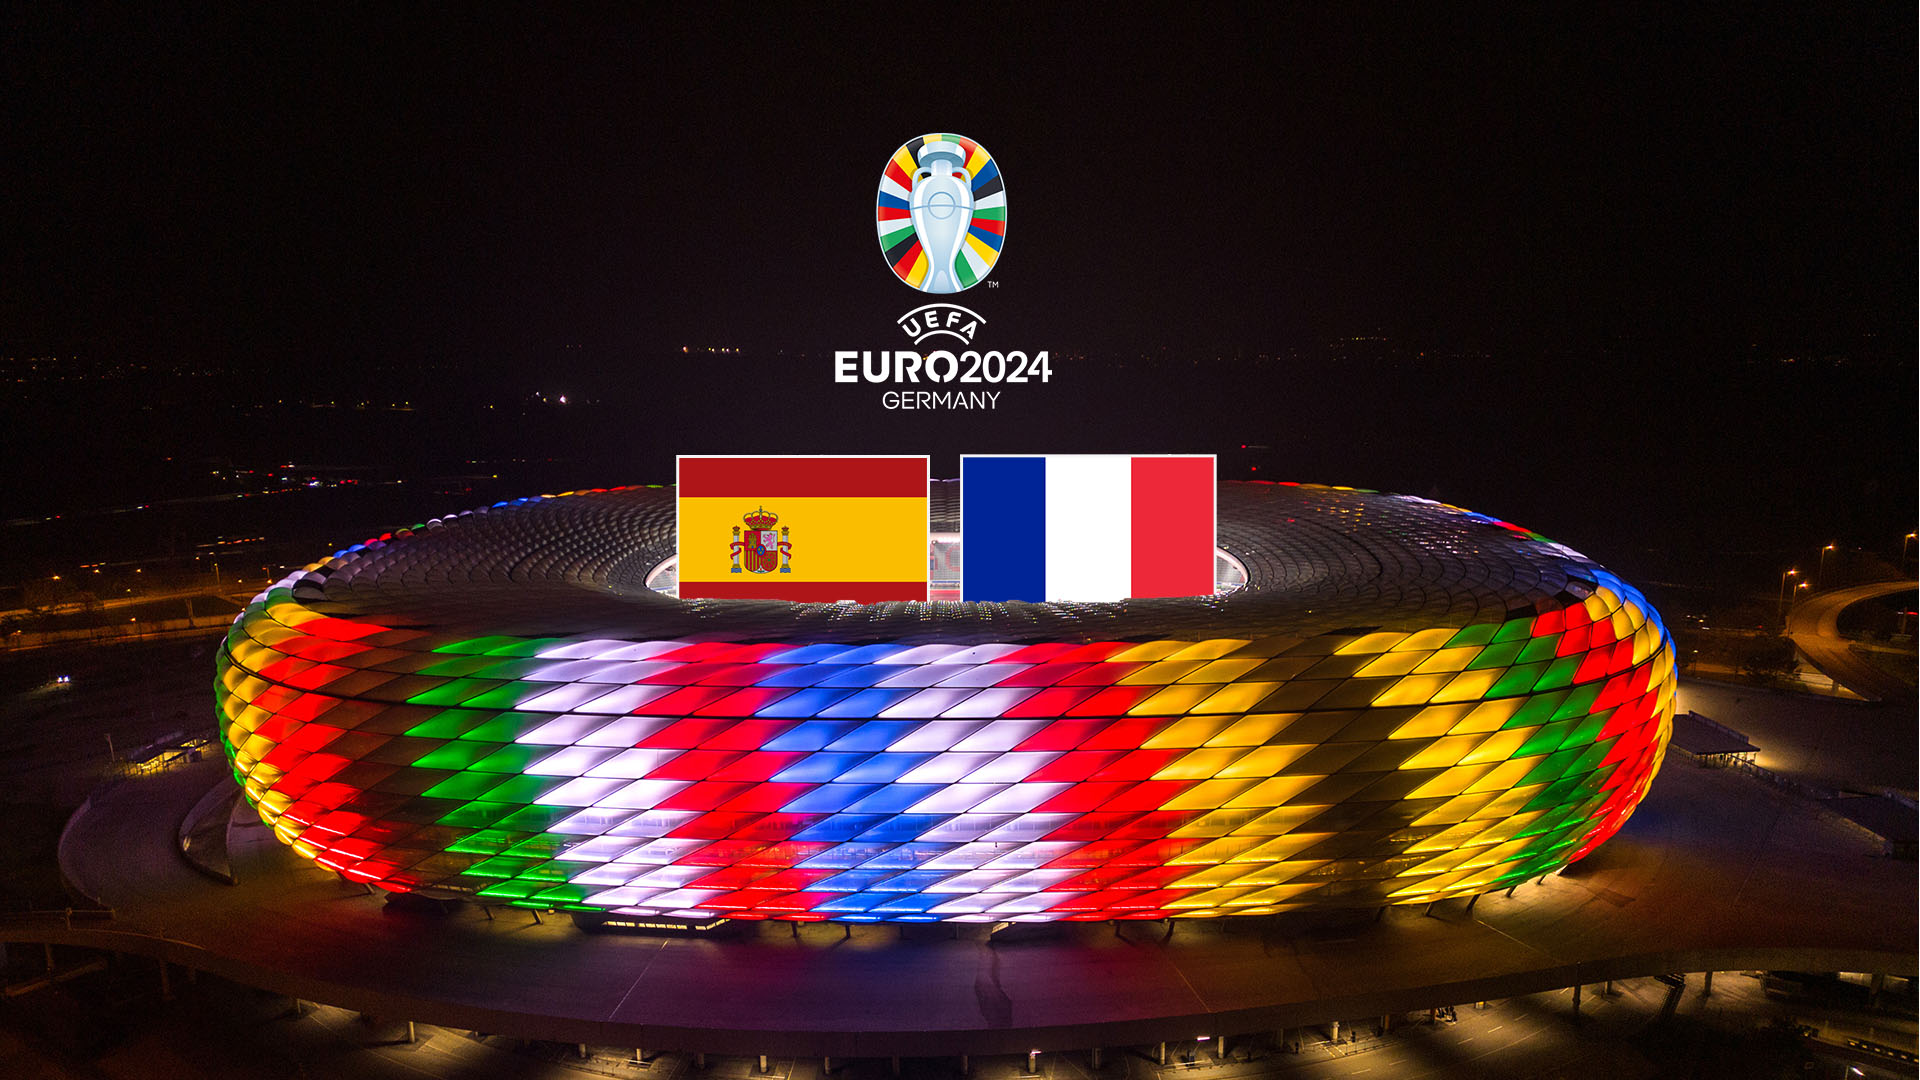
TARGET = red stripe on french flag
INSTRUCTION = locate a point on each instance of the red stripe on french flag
(1090, 527)
(1173, 526)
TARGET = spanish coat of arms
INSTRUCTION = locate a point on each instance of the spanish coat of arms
(761, 549)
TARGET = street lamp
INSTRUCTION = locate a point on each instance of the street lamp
(1907, 540)
(1783, 593)
(1823, 565)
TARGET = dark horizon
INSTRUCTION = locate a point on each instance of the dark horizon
(1618, 258)
(282, 188)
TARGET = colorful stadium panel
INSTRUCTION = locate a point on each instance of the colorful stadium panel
(940, 773)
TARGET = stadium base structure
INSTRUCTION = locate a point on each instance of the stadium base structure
(1405, 702)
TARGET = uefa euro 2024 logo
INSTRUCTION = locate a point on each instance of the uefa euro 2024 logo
(942, 218)
(942, 213)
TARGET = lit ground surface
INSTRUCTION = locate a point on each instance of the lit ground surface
(237, 1032)
(1714, 872)
(1828, 742)
(55, 738)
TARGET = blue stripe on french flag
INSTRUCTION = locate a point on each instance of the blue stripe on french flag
(1086, 526)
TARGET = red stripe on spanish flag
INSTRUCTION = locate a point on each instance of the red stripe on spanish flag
(860, 592)
(803, 529)
(804, 477)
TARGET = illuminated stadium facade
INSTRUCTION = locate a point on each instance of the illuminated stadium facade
(1404, 702)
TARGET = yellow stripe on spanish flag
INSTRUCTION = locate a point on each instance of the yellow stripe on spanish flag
(804, 529)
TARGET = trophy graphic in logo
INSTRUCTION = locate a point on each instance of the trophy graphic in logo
(761, 549)
(942, 213)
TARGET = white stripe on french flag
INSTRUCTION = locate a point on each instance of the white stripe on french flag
(1086, 526)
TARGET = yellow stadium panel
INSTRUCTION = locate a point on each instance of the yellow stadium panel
(1164, 673)
(1662, 667)
(1506, 773)
(1236, 698)
(1254, 729)
(1497, 854)
(1431, 722)
(1203, 904)
(1442, 863)
(1425, 640)
(1153, 651)
(1209, 877)
(1188, 731)
(1217, 823)
(1271, 792)
(1448, 660)
(266, 633)
(1389, 664)
(1268, 760)
(1489, 716)
(1275, 856)
(1280, 893)
(1510, 801)
(1412, 690)
(1224, 671)
(1173, 701)
(1451, 838)
(1475, 882)
(1645, 641)
(1225, 849)
(252, 655)
(1503, 831)
(1499, 746)
(1203, 764)
(1209, 794)
(1456, 810)
(1370, 643)
(1211, 649)
(257, 747)
(1443, 753)
(1469, 685)
(1281, 820)
(1452, 782)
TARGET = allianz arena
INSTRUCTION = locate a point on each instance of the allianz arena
(1403, 702)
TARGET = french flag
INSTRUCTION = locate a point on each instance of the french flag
(1086, 526)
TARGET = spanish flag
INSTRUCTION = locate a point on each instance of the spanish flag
(805, 529)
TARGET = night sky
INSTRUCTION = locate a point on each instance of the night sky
(1594, 239)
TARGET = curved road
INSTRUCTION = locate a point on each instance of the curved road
(1714, 872)
(1814, 626)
